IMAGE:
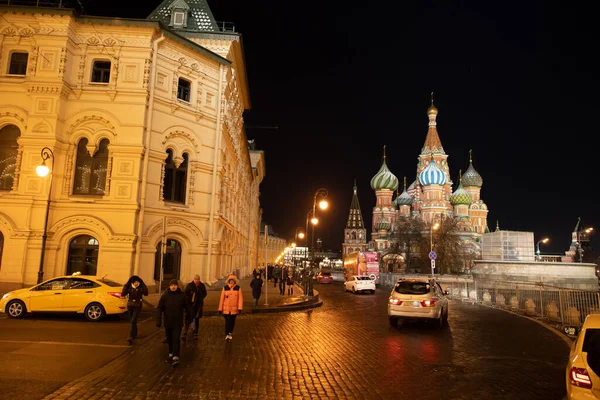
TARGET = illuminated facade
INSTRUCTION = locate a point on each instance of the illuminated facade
(144, 119)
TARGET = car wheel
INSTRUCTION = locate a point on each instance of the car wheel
(16, 309)
(94, 312)
(439, 323)
(393, 322)
(373, 291)
(353, 290)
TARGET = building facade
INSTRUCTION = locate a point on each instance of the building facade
(355, 233)
(430, 197)
(271, 249)
(143, 130)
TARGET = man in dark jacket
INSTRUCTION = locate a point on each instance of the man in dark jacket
(256, 286)
(172, 304)
(134, 290)
(195, 292)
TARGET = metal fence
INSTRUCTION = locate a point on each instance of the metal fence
(569, 307)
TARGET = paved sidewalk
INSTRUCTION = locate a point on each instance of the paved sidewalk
(270, 295)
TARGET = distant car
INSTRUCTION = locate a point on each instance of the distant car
(357, 283)
(418, 298)
(325, 277)
(583, 368)
(83, 294)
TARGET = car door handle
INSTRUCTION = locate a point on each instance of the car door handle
(57, 293)
(89, 291)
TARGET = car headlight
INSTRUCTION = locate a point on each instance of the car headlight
(5, 296)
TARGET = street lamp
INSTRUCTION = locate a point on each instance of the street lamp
(299, 235)
(42, 170)
(433, 228)
(537, 251)
(323, 205)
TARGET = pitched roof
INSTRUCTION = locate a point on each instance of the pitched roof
(200, 18)
(355, 212)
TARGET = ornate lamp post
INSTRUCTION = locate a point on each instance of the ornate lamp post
(537, 251)
(42, 170)
(323, 205)
(299, 235)
(433, 228)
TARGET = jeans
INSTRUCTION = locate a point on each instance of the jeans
(229, 323)
(255, 303)
(173, 339)
(134, 313)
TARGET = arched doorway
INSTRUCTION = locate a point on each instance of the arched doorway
(171, 262)
(83, 255)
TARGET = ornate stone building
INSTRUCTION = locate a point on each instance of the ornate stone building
(355, 233)
(143, 120)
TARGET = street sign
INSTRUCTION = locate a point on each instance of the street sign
(432, 265)
(432, 255)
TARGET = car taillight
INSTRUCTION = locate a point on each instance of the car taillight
(395, 301)
(115, 294)
(428, 303)
(580, 378)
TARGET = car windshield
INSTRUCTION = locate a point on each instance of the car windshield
(591, 346)
(363, 278)
(110, 283)
(326, 274)
(407, 287)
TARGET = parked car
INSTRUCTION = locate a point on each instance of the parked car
(419, 299)
(93, 296)
(583, 368)
(325, 277)
(357, 283)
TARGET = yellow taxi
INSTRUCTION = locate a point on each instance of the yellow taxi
(93, 296)
(583, 368)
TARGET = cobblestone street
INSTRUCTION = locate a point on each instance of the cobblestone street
(343, 350)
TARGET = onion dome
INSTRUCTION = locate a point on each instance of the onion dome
(460, 196)
(471, 177)
(384, 179)
(404, 199)
(382, 224)
(432, 175)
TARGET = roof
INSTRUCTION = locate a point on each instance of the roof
(200, 18)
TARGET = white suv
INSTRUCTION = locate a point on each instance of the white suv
(357, 283)
(420, 299)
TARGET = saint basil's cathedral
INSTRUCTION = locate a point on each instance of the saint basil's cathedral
(430, 197)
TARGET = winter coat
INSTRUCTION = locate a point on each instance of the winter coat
(172, 305)
(256, 286)
(196, 295)
(134, 295)
(231, 300)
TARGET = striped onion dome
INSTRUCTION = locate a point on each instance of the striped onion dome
(404, 199)
(460, 196)
(472, 177)
(382, 224)
(432, 175)
(384, 179)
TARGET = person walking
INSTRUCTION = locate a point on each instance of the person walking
(230, 304)
(135, 289)
(195, 292)
(256, 286)
(172, 304)
(290, 284)
(283, 280)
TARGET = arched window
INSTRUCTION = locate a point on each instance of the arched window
(90, 172)
(175, 179)
(83, 255)
(8, 155)
(1, 247)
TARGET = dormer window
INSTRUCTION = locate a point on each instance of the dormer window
(179, 14)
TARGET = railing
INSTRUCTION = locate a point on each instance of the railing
(226, 26)
(569, 307)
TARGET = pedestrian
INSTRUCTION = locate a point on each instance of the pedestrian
(283, 280)
(290, 284)
(230, 304)
(135, 289)
(256, 286)
(195, 292)
(172, 304)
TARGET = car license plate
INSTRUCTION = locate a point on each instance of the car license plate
(415, 304)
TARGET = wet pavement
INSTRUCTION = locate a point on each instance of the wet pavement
(344, 349)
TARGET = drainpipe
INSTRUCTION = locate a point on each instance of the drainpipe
(140, 226)
(211, 220)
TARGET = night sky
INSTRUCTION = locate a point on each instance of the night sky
(514, 82)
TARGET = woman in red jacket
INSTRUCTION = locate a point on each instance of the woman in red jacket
(230, 304)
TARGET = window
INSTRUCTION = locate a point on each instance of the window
(178, 18)
(83, 255)
(18, 64)
(101, 71)
(54, 284)
(408, 287)
(8, 155)
(184, 89)
(175, 179)
(90, 172)
(80, 283)
(1, 247)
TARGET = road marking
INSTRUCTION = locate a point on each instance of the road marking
(65, 343)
